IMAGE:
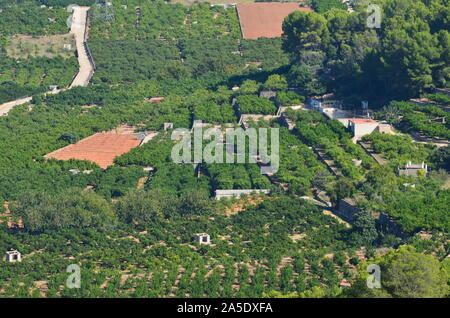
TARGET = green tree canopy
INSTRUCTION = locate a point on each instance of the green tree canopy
(405, 273)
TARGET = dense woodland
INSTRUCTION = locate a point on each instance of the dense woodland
(337, 52)
(132, 230)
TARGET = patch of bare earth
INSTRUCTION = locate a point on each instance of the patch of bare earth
(24, 46)
(296, 237)
(243, 204)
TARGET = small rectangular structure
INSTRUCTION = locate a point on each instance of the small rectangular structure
(237, 193)
(224, 5)
(13, 256)
(168, 126)
(362, 126)
(412, 169)
(156, 100)
(264, 19)
(203, 238)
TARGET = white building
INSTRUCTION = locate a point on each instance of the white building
(203, 238)
(13, 256)
(237, 193)
(361, 127)
(168, 126)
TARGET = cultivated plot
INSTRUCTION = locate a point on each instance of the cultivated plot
(264, 19)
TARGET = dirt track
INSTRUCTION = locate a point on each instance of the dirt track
(6, 107)
(79, 29)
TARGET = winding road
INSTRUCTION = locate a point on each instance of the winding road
(78, 28)
(86, 69)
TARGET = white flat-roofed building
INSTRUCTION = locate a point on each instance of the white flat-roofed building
(362, 126)
(203, 238)
(13, 256)
(237, 193)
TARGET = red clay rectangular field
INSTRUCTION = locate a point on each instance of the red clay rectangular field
(264, 19)
(100, 148)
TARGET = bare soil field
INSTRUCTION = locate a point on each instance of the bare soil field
(100, 148)
(24, 46)
(264, 19)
